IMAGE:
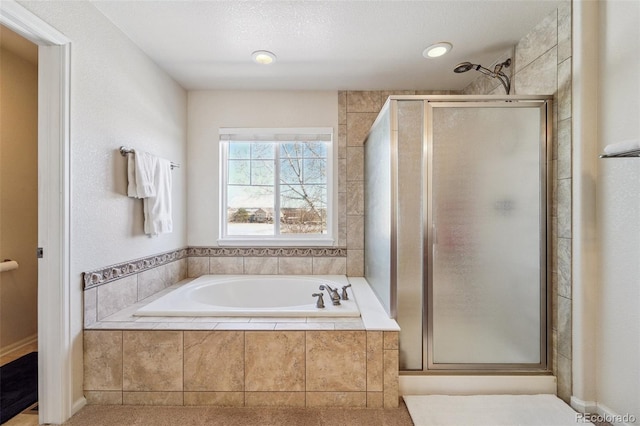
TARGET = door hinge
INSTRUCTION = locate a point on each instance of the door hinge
(40, 252)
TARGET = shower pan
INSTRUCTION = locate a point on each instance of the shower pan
(456, 230)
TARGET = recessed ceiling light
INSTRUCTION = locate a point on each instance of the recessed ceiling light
(263, 57)
(436, 50)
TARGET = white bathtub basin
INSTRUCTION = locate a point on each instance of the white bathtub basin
(253, 295)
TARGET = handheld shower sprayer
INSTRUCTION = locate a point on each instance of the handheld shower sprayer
(496, 73)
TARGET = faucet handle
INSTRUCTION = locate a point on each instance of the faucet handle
(320, 302)
(345, 296)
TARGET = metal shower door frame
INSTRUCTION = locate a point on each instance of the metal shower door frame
(544, 104)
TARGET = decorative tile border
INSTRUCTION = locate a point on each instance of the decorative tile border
(110, 273)
(266, 252)
(114, 272)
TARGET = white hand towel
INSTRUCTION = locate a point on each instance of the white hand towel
(145, 166)
(157, 209)
(622, 147)
(132, 189)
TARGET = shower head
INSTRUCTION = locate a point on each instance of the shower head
(496, 73)
(463, 67)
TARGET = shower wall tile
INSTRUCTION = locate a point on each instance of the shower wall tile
(329, 265)
(554, 137)
(564, 378)
(564, 89)
(214, 361)
(355, 198)
(386, 93)
(564, 208)
(355, 232)
(342, 107)
(358, 126)
(564, 327)
(348, 348)
(261, 265)
(554, 303)
(540, 77)
(197, 266)
(564, 149)
(564, 267)
(538, 41)
(295, 265)
(355, 163)
(342, 141)
(264, 350)
(117, 295)
(226, 265)
(103, 360)
(153, 361)
(564, 31)
(355, 263)
(363, 101)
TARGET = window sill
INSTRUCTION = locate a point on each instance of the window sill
(276, 242)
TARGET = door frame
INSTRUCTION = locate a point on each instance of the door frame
(55, 366)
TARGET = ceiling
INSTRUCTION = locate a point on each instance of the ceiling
(323, 45)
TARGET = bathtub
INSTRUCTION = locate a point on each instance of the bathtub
(254, 295)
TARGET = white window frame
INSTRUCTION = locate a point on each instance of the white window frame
(275, 135)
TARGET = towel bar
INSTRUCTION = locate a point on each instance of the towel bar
(124, 151)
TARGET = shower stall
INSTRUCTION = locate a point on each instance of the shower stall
(457, 229)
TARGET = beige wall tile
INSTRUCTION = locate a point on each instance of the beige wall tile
(153, 361)
(384, 94)
(226, 265)
(102, 360)
(564, 89)
(275, 399)
(295, 266)
(355, 263)
(90, 306)
(391, 340)
(564, 378)
(342, 107)
(355, 163)
(177, 271)
(538, 41)
(155, 280)
(374, 361)
(329, 265)
(213, 360)
(219, 399)
(355, 232)
(355, 197)
(261, 265)
(336, 361)
(197, 266)
(337, 399)
(564, 327)
(264, 350)
(564, 208)
(103, 397)
(117, 295)
(391, 392)
(342, 141)
(358, 126)
(540, 77)
(152, 398)
(363, 101)
(564, 149)
(342, 174)
(564, 267)
(564, 31)
(375, 400)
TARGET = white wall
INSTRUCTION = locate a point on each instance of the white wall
(210, 110)
(618, 324)
(118, 97)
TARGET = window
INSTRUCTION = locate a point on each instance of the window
(276, 186)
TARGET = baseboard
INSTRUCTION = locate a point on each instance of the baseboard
(19, 344)
(78, 404)
(477, 385)
(583, 406)
(614, 418)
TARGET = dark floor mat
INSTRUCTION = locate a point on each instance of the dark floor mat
(18, 385)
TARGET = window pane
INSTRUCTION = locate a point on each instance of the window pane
(315, 171)
(262, 172)
(239, 150)
(291, 150)
(290, 171)
(315, 150)
(239, 172)
(262, 150)
(303, 209)
(250, 210)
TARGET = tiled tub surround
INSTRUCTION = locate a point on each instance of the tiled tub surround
(244, 361)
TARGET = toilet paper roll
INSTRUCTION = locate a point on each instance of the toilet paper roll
(8, 265)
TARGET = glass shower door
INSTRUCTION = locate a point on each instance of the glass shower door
(486, 244)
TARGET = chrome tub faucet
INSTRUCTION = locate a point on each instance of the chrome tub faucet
(333, 293)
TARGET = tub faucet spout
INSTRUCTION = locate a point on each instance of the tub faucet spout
(333, 293)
